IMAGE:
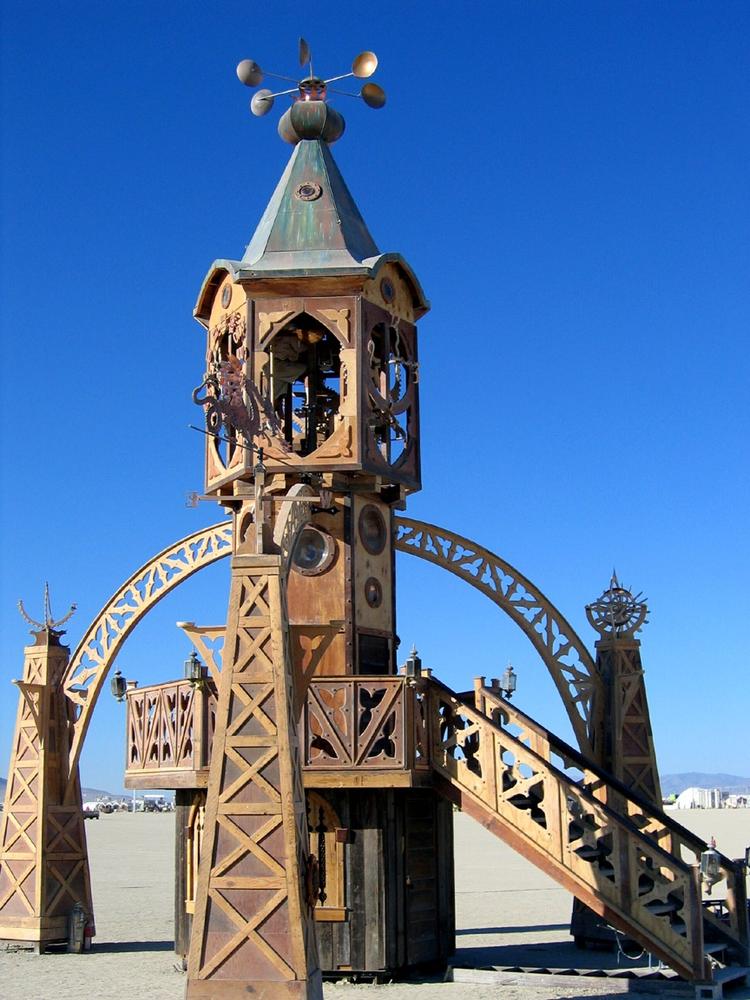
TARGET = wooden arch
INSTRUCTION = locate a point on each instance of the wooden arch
(562, 651)
(97, 650)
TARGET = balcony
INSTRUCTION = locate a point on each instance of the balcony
(355, 732)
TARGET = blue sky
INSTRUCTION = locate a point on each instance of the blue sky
(569, 181)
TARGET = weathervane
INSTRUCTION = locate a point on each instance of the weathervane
(49, 624)
(304, 122)
(618, 612)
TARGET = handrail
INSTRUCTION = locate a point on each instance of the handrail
(565, 750)
(645, 876)
(732, 871)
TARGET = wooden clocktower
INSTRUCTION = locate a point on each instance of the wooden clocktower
(311, 398)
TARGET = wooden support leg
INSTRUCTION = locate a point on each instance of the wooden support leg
(253, 930)
(44, 867)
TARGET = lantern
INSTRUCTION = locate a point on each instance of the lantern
(118, 686)
(711, 866)
(195, 672)
(413, 665)
(508, 682)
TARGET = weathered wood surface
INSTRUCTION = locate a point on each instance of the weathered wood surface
(252, 924)
(44, 867)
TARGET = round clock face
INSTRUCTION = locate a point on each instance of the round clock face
(373, 592)
(372, 530)
(314, 551)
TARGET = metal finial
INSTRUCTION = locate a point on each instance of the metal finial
(310, 117)
(618, 612)
(49, 624)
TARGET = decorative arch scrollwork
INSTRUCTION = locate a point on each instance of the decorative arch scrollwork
(563, 652)
(96, 652)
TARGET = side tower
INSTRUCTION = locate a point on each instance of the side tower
(311, 398)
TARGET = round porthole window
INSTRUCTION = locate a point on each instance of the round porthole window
(373, 592)
(372, 530)
(313, 552)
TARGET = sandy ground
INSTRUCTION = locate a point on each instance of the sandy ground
(508, 913)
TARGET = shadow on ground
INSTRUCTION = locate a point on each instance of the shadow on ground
(512, 930)
(115, 947)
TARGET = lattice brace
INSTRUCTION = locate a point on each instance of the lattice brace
(20, 822)
(249, 923)
(562, 651)
(303, 881)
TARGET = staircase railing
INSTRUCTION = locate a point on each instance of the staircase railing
(598, 853)
(729, 923)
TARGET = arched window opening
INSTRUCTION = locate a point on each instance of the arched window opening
(304, 372)
(327, 843)
(392, 372)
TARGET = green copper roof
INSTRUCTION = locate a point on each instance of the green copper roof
(311, 223)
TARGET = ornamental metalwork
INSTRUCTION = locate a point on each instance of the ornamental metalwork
(48, 624)
(618, 613)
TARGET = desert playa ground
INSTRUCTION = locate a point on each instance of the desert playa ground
(508, 914)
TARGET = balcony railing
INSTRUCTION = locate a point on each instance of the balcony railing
(170, 728)
(348, 723)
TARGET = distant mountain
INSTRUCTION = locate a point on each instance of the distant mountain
(87, 793)
(673, 784)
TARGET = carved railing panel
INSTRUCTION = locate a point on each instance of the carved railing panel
(605, 855)
(168, 727)
(355, 722)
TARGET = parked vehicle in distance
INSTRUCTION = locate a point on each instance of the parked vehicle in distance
(90, 810)
(154, 803)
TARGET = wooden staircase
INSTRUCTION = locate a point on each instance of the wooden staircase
(616, 852)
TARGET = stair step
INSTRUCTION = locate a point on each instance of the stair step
(714, 947)
(660, 909)
(730, 974)
(589, 853)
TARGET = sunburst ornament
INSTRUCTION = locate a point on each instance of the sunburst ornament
(618, 612)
